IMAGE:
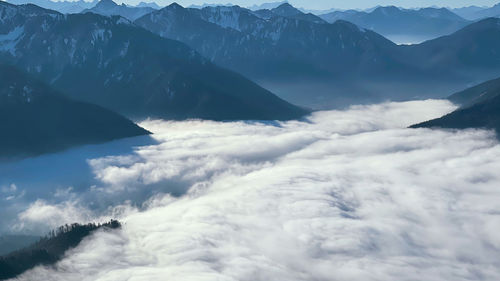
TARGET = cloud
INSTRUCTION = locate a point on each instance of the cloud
(344, 195)
(41, 214)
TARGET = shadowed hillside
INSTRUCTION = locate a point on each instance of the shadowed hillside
(480, 109)
(49, 249)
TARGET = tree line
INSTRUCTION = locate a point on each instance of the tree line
(50, 248)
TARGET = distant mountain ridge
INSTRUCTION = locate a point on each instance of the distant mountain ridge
(110, 8)
(65, 7)
(115, 64)
(468, 12)
(288, 11)
(291, 56)
(267, 6)
(278, 49)
(478, 13)
(148, 4)
(391, 21)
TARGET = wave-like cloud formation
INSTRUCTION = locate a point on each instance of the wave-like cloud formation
(346, 195)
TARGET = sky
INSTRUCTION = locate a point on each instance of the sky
(342, 195)
(346, 4)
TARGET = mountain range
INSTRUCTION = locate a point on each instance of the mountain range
(65, 7)
(73, 7)
(35, 119)
(109, 8)
(280, 52)
(111, 62)
(267, 6)
(394, 23)
(467, 12)
(337, 64)
(477, 13)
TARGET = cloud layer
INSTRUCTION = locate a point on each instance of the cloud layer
(344, 195)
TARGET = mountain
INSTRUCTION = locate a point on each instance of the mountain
(110, 8)
(209, 5)
(393, 22)
(334, 16)
(267, 6)
(37, 119)
(318, 12)
(148, 4)
(469, 52)
(481, 109)
(477, 13)
(65, 7)
(233, 17)
(292, 56)
(110, 62)
(477, 94)
(469, 12)
(50, 249)
(288, 11)
(481, 115)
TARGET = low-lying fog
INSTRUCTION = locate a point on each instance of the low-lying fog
(341, 195)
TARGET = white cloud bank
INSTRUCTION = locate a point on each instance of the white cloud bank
(349, 195)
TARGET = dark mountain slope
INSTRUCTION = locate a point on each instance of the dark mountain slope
(480, 109)
(34, 119)
(110, 62)
(485, 114)
(49, 249)
(477, 94)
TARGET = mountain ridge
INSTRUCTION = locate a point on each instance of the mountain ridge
(480, 109)
(391, 21)
(110, 8)
(290, 55)
(113, 63)
(35, 119)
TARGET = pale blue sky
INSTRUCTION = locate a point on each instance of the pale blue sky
(340, 4)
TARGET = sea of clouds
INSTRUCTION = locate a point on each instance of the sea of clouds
(341, 195)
